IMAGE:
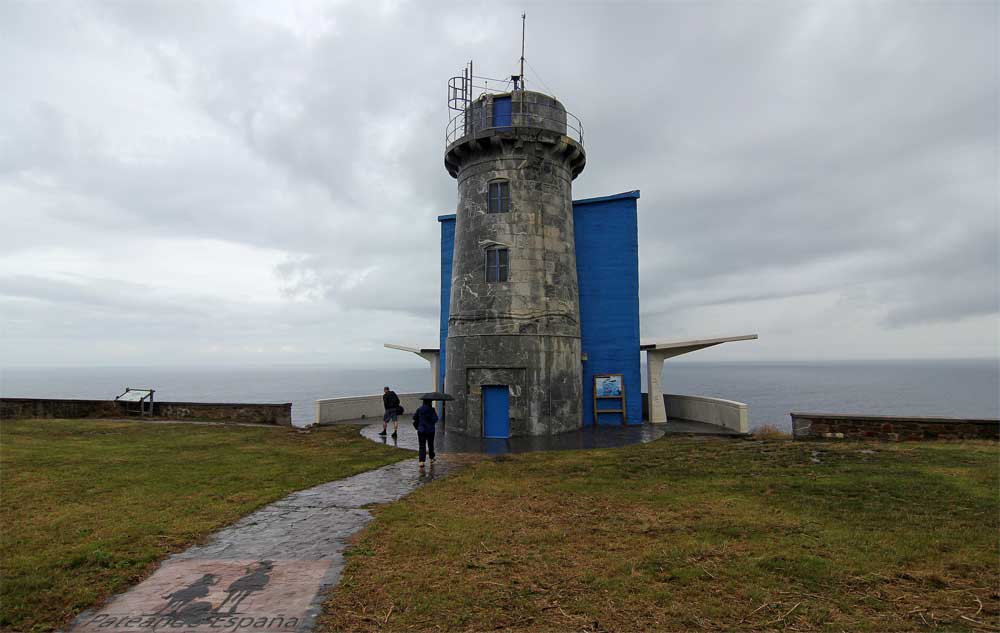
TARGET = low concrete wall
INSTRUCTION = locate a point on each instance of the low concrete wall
(333, 410)
(729, 414)
(248, 413)
(891, 428)
(725, 413)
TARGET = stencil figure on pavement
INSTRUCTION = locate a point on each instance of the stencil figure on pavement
(181, 597)
(255, 579)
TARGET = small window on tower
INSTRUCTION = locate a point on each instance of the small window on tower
(499, 197)
(497, 264)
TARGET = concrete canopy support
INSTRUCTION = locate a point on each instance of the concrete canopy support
(658, 353)
(429, 354)
(654, 370)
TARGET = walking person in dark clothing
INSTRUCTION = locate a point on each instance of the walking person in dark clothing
(390, 401)
(424, 420)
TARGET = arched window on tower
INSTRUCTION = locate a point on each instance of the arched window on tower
(497, 265)
(498, 197)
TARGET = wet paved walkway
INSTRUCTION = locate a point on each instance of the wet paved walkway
(267, 572)
(601, 437)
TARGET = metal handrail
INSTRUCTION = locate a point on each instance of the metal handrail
(462, 87)
(462, 125)
(458, 93)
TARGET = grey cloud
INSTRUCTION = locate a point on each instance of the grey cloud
(103, 294)
(784, 150)
(402, 289)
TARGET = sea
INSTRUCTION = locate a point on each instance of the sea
(963, 388)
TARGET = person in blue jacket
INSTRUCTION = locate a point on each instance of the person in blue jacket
(424, 419)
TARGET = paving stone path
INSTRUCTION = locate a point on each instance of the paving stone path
(269, 571)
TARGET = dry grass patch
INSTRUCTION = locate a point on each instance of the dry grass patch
(688, 535)
(770, 432)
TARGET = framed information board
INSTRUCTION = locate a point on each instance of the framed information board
(609, 396)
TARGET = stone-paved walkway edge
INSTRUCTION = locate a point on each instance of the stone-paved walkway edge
(269, 571)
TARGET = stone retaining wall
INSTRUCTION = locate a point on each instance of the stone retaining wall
(22, 408)
(891, 428)
(248, 413)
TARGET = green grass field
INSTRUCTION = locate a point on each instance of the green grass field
(87, 508)
(685, 535)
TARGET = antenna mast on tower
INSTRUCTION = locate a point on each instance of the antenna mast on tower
(522, 50)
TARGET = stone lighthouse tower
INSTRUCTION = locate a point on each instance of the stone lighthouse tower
(512, 356)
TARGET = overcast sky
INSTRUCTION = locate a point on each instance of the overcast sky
(209, 183)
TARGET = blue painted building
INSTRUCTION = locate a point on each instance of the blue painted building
(607, 259)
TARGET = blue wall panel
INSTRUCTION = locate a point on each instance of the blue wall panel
(607, 265)
(447, 250)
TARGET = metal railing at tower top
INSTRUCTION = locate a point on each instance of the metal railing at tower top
(467, 99)
(473, 120)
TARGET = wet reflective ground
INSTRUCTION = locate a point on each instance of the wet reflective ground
(445, 442)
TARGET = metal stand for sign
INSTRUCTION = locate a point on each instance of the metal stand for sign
(620, 400)
(137, 400)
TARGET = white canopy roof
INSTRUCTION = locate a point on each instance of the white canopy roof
(676, 348)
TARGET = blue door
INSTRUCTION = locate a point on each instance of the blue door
(502, 110)
(496, 411)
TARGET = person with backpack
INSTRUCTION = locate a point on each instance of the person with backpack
(392, 410)
(424, 419)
